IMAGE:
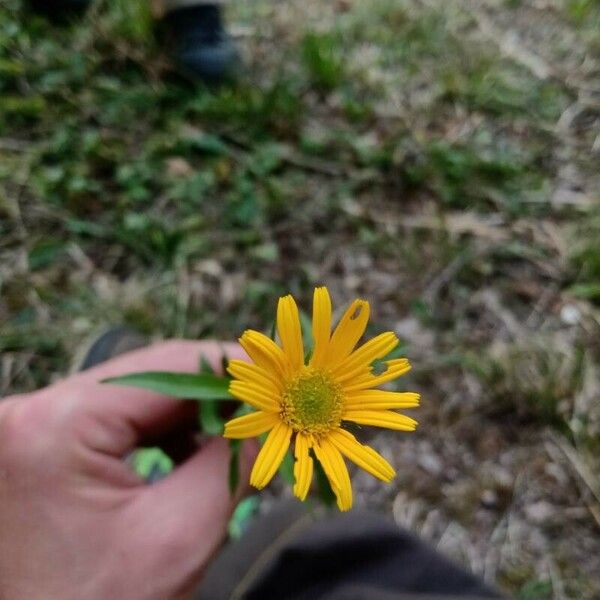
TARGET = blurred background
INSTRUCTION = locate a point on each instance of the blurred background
(440, 159)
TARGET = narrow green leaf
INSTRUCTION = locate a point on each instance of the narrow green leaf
(588, 291)
(205, 367)
(242, 516)
(307, 334)
(398, 352)
(186, 386)
(241, 410)
(210, 419)
(224, 363)
(208, 144)
(234, 465)
(326, 494)
(287, 468)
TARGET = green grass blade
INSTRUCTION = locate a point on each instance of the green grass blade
(326, 492)
(287, 468)
(234, 465)
(211, 421)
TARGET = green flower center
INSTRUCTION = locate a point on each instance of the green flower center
(312, 402)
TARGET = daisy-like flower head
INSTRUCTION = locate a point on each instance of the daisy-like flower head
(309, 402)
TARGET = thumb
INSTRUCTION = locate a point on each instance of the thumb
(194, 504)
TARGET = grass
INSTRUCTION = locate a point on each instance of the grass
(531, 381)
(585, 258)
(323, 61)
(387, 149)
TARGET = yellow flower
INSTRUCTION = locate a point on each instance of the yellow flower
(309, 402)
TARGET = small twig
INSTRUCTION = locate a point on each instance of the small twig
(489, 298)
(497, 540)
(557, 585)
(311, 164)
(536, 314)
(509, 44)
(445, 276)
(22, 177)
(491, 229)
(288, 156)
(583, 473)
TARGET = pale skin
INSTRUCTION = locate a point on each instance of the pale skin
(75, 521)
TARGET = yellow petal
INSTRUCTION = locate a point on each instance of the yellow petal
(395, 368)
(349, 330)
(265, 353)
(344, 494)
(303, 467)
(250, 425)
(361, 358)
(321, 325)
(381, 418)
(323, 458)
(380, 399)
(288, 327)
(270, 456)
(343, 491)
(254, 374)
(254, 395)
(365, 457)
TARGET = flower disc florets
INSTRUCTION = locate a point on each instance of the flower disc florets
(312, 402)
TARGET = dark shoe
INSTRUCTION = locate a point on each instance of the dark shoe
(113, 342)
(201, 44)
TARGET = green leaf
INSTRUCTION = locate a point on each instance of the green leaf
(205, 367)
(307, 335)
(234, 465)
(11, 67)
(242, 515)
(44, 253)
(588, 291)
(186, 386)
(208, 144)
(326, 494)
(287, 468)
(224, 363)
(398, 352)
(210, 419)
(148, 461)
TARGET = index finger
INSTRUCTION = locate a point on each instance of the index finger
(121, 416)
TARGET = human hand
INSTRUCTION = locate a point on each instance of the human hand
(75, 521)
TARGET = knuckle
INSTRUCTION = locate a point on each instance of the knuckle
(28, 428)
(14, 429)
(93, 429)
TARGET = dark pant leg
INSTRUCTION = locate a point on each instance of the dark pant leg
(313, 556)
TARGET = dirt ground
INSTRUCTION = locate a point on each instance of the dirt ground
(439, 159)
